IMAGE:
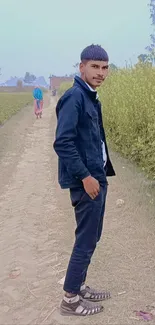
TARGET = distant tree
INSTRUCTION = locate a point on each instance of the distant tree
(29, 78)
(71, 75)
(112, 66)
(19, 84)
(76, 67)
(143, 58)
(151, 47)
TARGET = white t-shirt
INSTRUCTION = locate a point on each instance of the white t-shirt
(102, 142)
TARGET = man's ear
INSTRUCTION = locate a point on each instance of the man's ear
(82, 66)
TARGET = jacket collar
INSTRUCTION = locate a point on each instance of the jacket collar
(80, 83)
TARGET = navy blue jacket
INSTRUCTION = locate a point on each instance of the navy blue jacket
(78, 137)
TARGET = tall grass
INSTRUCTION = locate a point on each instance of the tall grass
(63, 87)
(128, 101)
(11, 103)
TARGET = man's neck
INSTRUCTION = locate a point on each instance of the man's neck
(90, 87)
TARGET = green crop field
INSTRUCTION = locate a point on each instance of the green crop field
(11, 103)
(128, 101)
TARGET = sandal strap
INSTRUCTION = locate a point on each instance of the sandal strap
(81, 308)
(87, 308)
(90, 293)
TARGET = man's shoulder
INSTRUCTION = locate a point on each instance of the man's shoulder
(71, 96)
(73, 92)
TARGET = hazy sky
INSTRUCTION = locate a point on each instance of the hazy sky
(47, 36)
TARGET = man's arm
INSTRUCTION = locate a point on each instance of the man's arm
(66, 134)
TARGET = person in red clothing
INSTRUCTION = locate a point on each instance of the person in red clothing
(38, 101)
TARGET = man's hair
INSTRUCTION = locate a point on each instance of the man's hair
(95, 53)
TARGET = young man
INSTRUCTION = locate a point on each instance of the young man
(84, 164)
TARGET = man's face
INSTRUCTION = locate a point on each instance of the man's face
(94, 72)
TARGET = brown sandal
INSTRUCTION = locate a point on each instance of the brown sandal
(93, 295)
(79, 308)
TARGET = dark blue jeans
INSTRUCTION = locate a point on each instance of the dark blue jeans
(89, 218)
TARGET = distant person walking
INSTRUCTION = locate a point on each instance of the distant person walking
(38, 101)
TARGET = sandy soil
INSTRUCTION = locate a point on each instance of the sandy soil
(37, 232)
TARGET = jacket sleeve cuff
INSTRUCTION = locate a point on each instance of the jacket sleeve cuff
(83, 175)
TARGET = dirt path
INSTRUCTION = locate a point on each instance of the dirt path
(36, 233)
